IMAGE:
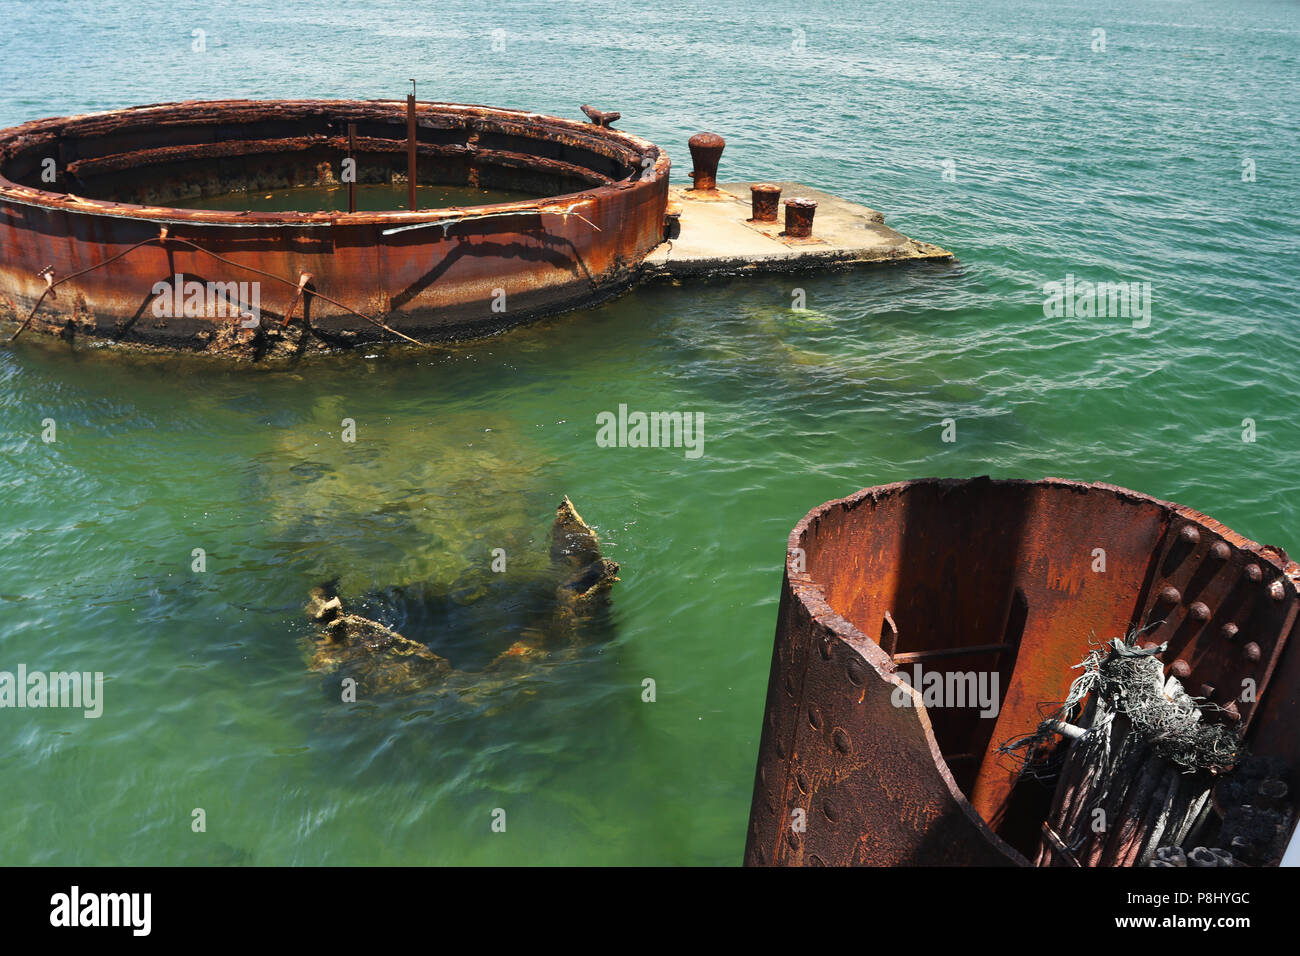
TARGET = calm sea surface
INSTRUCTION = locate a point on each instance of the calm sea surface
(1122, 164)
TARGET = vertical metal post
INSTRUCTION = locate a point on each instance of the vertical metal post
(352, 155)
(410, 148)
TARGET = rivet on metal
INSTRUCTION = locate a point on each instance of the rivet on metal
(1199, 611)
(843, 743)
(1276, 590)
(1170, 595)
(1190, 535)
(1253, 572)
(802, 780)
(815, 718)
(1252, 651)
(1220, 551)
(1181, 669)
(1228, 632)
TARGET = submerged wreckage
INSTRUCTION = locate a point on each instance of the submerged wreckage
(384, 662)
(99, 230)
(1145, 661)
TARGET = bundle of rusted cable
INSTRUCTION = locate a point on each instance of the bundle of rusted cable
(1141, 761)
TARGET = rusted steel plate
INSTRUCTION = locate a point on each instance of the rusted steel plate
(1005, 578)
(604, 210)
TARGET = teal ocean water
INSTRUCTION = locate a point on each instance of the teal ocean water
(1169, 157)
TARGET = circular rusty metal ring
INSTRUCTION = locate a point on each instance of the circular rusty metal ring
(1006, 578)
(600, 208)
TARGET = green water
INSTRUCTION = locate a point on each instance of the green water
(1118, 165)
(370, 198)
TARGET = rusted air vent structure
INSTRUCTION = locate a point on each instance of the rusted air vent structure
(1012, 578)
(92, 216)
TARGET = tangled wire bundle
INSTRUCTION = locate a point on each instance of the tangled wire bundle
(1140, 765)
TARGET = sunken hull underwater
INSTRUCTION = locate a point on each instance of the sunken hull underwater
(1023, 580)
(92, 218)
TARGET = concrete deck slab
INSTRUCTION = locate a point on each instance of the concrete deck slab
(716, 239)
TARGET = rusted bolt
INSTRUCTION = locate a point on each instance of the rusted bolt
(1272, 793)
(1253, 572)
(1189, 535)
(799, 217)
(1220, 551)
(1252, 651)
(1170, 596)
(1199, 611)
(764, 200)
(1181, 669)
(1228, 632)
(706, 152)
